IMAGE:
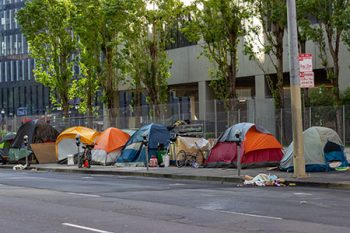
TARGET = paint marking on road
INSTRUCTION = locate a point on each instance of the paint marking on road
(101, 175)
(303, 194)
(85, 228)
(85, 194)
(250, 215)
(87, 177)
(176, 184)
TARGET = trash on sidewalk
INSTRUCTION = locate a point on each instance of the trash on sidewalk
(263, 180)
(19, 167)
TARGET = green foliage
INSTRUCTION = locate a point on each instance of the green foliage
(346, 96)
(333, 21)
(45, 24)
(146, 46)
(321, 96)
(220, 23)
(266, 41)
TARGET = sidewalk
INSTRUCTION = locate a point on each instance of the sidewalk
(339, 180)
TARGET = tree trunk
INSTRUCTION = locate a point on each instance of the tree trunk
(280, 114)
(111, 87)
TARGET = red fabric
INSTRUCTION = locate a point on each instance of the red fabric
(262, 156)
(226, 153)
(223, 152)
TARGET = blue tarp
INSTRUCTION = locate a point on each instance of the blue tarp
(134, 150)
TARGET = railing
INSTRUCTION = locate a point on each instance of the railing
(214, 121)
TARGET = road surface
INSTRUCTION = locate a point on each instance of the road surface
(49, 202)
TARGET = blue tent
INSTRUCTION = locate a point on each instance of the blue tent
(135, 151)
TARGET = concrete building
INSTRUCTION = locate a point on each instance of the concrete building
(19, 93)
(190, 94)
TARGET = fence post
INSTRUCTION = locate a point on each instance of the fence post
(310, 115)
(281, 126)
(215, 119)
(344, 139)
(239, 115)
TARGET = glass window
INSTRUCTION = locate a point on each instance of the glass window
(32, 66)
(20, 70)
(1, 74)
(14, 70)
(8, 71)
(11, 69)
(25, 46)
(25, 67)
(7, 45)
(2, 45)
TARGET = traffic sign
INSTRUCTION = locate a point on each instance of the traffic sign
(305, 62)
(307, 79)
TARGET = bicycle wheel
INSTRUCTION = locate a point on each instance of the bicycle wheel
(181, 158)
(199, 157)
(192, 161)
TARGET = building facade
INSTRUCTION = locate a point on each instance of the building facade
(19, 93)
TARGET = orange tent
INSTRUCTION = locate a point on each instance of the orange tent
(111, 139)
(259, 148)
(65, 143)
(108, 146)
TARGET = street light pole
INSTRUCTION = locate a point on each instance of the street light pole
(298, 142)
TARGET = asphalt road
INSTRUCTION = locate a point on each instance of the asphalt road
(77, 203)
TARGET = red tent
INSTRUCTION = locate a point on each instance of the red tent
(259, 148)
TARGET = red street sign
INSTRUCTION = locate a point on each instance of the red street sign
(305, 62)
(307, 80)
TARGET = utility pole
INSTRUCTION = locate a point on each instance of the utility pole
(298, 142)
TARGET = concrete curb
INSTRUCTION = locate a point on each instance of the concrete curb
(236, 180)
(147, 174)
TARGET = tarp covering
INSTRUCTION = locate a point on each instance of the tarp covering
(259, 148)
(134, 151)
(8, 137)
(66, 144)
(191, 145)
(108, 146)
(321, 147)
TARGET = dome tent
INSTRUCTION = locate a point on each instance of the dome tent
(322, 146)
(259, 148)
(108, 146)
(37, 131)
(66, 143)
(134, 151)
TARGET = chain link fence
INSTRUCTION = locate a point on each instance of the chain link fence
(215, 120)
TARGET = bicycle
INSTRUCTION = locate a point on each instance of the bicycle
(184, 159)
(84, 159)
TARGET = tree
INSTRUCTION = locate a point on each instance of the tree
(52, 43)
(147, 51)
(333, 21)
(86, 21)
(220, 23)
(269, 36)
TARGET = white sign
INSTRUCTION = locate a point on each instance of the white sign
(307, 80)
(305, 62)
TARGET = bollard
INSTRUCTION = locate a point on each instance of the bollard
(77, 141)
(238, 141)
(145, 143)
(25, 141)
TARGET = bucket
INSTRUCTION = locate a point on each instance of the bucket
(153, 162)
(70, 160)
(166, 160)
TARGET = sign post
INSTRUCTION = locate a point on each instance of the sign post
(306, 71)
